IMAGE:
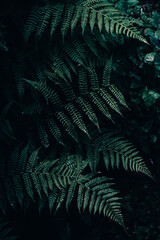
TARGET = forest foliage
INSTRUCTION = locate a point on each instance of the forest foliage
(76, 93)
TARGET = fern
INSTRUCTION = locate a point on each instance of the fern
(93, 92)
(58, 179)
(48, 93)
(65, 121)
(116, 152)
(58, 66)
(44, 18)
(55, 130)
(76, 117)
(43, 134)
(32, 22)
(100, 105)
(69, 10)
(98, 196)
(66, 97)
(91, 45)
(107, 73)
(32, 109)
(82, 81)
(88, 13)
(56, 17)
(116, 92)
(87, 109)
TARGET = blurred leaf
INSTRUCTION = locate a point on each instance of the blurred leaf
(157, 34)
(156, 19)
(149, 32)
(149, 97)
(149, 57)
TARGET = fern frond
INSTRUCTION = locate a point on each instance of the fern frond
(43, 134)
(82, 81)
(92, 20)
(117, 151)
(65, 121)
(56, 17)
(70, 194)
(36, 184)
(80, 48)
(68, 92)
(87, 109)
(76, 17)
(77, 118)
(52, 197)
(94, 81)
(69, 9)
(109, 100)
(86, 13)
(55, 130)
(114, 90)
(112, 18)
(31, 22)
(84, 19)
(117, 93)
(22, 156)
(100, 105)
(107, 73)
(75, 57)
(28, 185)
(96, 194)
(49, 94)
(60, 198)
(32, 109)
(13, 159)
(91, 44)
(40, 178)
(32, 160)
(93, 156)
(58, 66)
(44, 21)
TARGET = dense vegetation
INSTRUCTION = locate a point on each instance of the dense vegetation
(80, 114)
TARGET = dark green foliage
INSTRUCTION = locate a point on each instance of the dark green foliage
(60, 175)
(91, 13)
(116, 151)
(66, 95)
(6, 230)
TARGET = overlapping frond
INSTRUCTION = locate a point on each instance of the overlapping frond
(58, 180)
(98, 14)
(116, 152)
(63, 79)
(94, 95)
(25, 175)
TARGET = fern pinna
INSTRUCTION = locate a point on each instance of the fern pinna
(63, 87)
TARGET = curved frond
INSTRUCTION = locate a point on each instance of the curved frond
(96, 194)
(91, 13)
(119, 152)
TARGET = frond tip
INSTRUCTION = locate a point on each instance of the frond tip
(58, 180)
(96, 194)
